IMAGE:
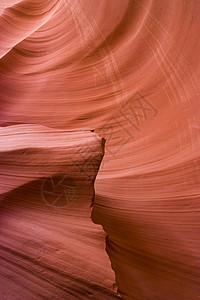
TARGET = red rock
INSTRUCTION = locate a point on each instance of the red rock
(129, 70)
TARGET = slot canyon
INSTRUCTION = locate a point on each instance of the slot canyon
(99, 150)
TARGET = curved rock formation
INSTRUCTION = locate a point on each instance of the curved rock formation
(49, 248)
(128, 70)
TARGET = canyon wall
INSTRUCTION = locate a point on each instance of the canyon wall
(127, 70)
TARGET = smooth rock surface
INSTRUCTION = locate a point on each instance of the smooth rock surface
(49, 248)
(129, 70)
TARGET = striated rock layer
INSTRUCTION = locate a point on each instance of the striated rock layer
(128, 70)
(49, 248)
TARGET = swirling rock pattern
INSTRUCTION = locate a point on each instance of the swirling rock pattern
(127, 70)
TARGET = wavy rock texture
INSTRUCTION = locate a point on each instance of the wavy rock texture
(127, 70)
(49, 247)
